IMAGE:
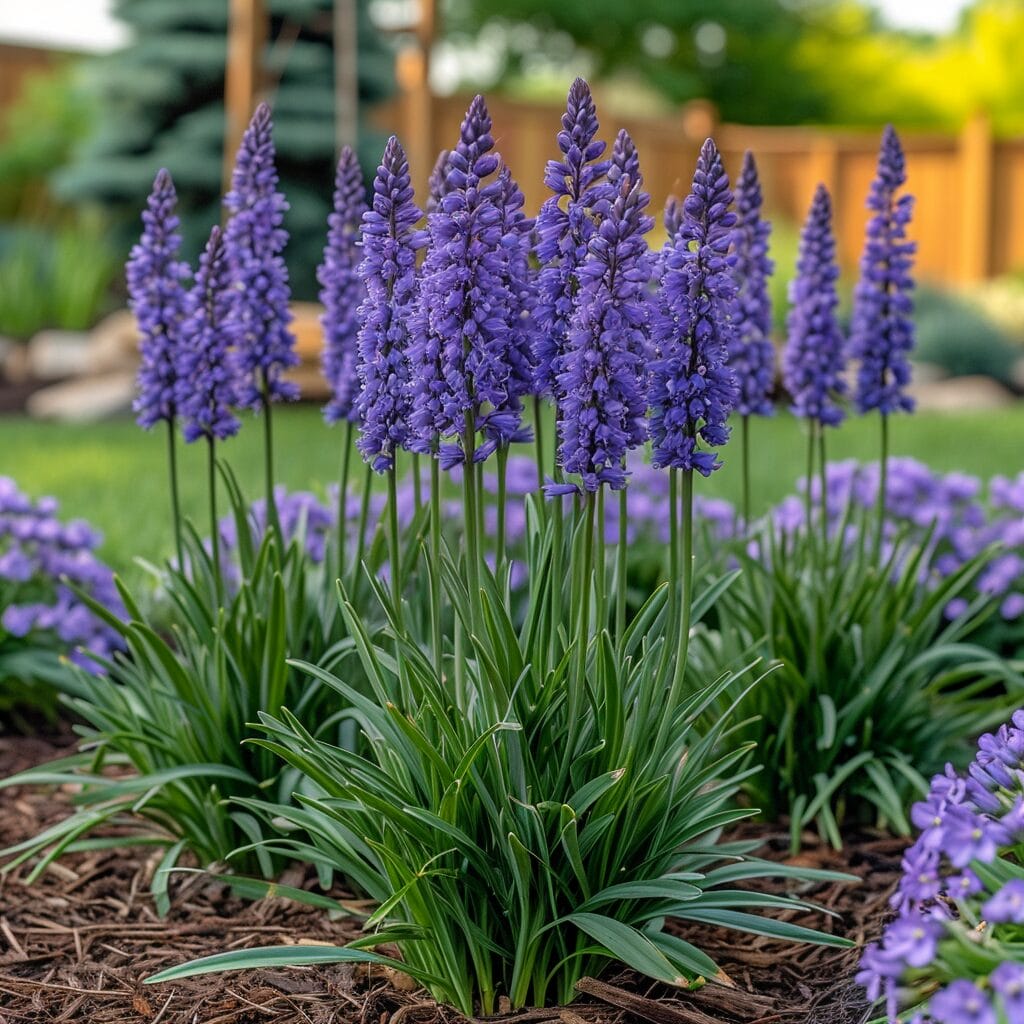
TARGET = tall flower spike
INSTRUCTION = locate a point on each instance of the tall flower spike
(673, 217)
(155, 285)
(388, 270)
(254, 238)
(437, 182)
(693, 389)
(751, 354)
(600, 385)
(461, 355)
(207, 385)
(342, 289)
(882, 331)
(564, 227)
(501, 425)
(813, 362)
(625, 162)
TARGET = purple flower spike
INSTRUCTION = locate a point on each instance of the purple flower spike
(207, 383)
(437, 183)
(813, 363)
(254, 238)
(341, 288)
(624, 163)
(693, 389)
(515, 372)
(673, 217)
(752, 355)
(882, 332)
(564, 227)
(601, 381)
(388, 269)
(461, 356)
(155, 276)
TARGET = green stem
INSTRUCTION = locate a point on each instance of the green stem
(883, 485)
(686, 593)
(620, 571)
(346, 462)
(600, 566)
(435, 559)
(172, 465)
(672, 619)
(557, 576)
(417, 484)
(470, 515)
(538, 437)
(394, 551)
(745, 455)
(364, 515)
(499, 559)
(823, 478)
(273, 521)
(211, 481)
(808, 497)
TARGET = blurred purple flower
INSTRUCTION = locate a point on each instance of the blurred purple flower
(254, 238)
(342, 289)
(882, 332)
(156, 293)
(813, 362)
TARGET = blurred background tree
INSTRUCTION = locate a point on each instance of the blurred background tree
(758, 61)
(161, 104)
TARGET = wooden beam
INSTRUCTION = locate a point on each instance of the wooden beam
(346, 73)
(248, 28)
(976, 167)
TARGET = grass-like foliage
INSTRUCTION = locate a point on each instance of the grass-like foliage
(873, 689)
(532, 814)
(161, 747)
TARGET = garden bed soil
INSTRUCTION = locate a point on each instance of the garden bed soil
(76, 945)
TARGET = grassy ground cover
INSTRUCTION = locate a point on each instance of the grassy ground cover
(114, 474)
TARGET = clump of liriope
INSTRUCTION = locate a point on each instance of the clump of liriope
(872, 686)
(534, 798)
(954, 953)
(170, 715)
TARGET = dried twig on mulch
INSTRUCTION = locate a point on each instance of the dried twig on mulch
(76, 945)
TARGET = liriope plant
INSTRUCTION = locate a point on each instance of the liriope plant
(534, 797)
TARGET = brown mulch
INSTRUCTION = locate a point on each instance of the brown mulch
(76, 945)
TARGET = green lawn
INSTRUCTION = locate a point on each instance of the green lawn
(114, 474)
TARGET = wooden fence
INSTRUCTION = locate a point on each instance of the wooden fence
(969, 188)
(17, 64)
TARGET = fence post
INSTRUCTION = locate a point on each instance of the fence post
(247, 36)
(976, 156)
(824, 165)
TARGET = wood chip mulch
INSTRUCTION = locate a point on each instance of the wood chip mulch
(76, 945)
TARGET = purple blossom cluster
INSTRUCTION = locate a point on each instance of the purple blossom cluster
(206, 383)
(813, 361)
(38, 553)
(465, 373)
(952, 955)
(388, 270)
(693, 386)
(751, 353)
(882, 333)
(342, 289)
(263, 347)
(564, 226)
(947, 512)
(156, 289)
(601, 383)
